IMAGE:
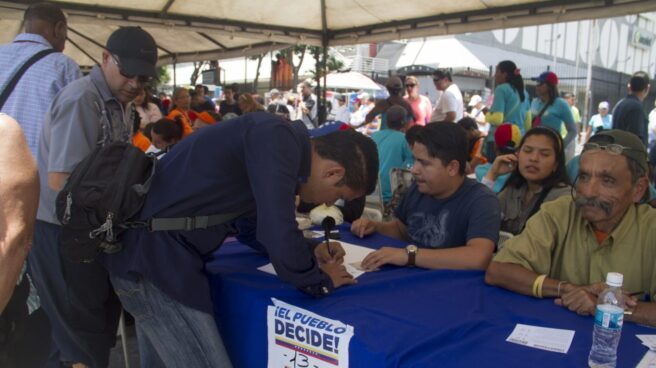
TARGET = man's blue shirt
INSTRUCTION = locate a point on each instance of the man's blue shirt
(256, 160)
(473, 211)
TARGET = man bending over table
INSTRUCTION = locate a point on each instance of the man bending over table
(568, 246)
(450, 220)
(260, 162)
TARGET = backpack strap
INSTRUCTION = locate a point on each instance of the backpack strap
(14, 80)
(536, 206)
(192, 223)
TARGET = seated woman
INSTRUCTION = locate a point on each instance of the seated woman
(165, 133)
(538, 174)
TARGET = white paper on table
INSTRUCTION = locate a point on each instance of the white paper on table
(352, 260)
(648, 341)
(550, 339)
(648, 361)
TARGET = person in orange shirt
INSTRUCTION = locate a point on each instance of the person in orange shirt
(475, 140)
(205, 119)
(139, 140)
(182, 104)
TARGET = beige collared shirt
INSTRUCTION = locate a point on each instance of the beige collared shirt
(558, 242)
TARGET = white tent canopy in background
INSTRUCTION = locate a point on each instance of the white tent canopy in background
(444, 53)
(193, 30)
(350, 80)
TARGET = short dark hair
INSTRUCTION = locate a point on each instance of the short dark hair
(639, 81)
(396, 117)
(168, 129)
(48, 12)
(411, 134)
(446, 142)
(356, 152)
(468, 123)
(234, 88)
(442, 73)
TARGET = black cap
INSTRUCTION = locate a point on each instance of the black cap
(136, 50)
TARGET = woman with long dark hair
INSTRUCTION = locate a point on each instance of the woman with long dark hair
(550, 110)
(538, 174)
(511, 103)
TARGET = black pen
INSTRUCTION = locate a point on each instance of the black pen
(328, 224)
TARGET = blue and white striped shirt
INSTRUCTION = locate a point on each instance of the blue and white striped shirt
(32, 95)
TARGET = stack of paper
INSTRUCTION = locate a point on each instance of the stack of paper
(550, 339)
(648, 361)
(648, 341)
(352, 260)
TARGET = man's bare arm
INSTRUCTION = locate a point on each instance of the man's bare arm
(57, 180)
(19, 198)
(475, 255)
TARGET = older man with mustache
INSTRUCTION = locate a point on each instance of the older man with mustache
(568, 247)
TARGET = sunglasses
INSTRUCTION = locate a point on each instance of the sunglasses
(614, 149)
(410, 85)
(144, 79)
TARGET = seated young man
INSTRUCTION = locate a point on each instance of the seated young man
(568, 247)
(449, 220)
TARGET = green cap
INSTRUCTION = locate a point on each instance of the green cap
(634, 148)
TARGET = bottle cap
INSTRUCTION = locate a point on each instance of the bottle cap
(614, 279)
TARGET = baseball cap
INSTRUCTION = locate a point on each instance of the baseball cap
(474, 100)
(394, 82)
(604, 105)
(396, 113)
(274, 92)
(547, 77)
(633, 147)
(136, 50)
(507, 137)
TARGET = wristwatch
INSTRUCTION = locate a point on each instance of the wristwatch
(411, 249)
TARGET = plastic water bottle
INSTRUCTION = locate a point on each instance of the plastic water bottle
(609, 317)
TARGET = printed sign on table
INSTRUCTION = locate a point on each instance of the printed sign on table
(301, 339)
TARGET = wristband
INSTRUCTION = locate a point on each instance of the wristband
(537, 286)
(559, 285)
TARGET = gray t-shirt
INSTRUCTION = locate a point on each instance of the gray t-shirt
(72, 129)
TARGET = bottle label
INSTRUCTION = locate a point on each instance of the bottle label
(611, 318)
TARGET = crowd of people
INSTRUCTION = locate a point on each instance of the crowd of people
(479, 168)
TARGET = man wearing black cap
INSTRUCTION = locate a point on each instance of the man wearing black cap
(91, 111)
(568, 246)
(394, 86)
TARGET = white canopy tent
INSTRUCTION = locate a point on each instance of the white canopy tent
(350, 80)
(193, 30)
(447, 53)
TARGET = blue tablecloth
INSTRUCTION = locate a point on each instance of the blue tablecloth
(403, 317)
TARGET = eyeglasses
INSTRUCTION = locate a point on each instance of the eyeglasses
(144, 79)
(410, 85)
(614, 149)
